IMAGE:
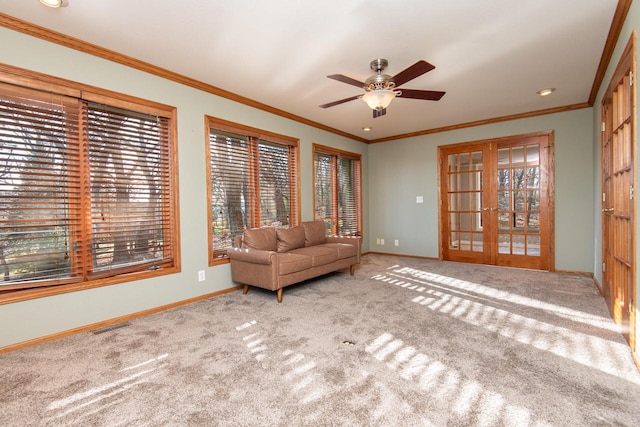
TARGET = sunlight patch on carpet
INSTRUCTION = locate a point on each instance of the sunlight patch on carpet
(301, 374)
(453, 297)
(254, 343)
(139, 365)
(446, 385)
(407, 273)
(89, 398)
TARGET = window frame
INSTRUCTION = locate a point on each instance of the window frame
(337, 154)
(255, 137)
(85, 94)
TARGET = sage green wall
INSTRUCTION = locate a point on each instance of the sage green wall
(44, 316)
(402, 170)
(632, 23)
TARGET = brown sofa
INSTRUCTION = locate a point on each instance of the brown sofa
(272, 258)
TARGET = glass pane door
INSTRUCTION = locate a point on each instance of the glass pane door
(496, 203)
(519, 200)
(465, 201)
(466, 221)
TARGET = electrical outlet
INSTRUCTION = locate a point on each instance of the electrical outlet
(201, 276)
(396, 242)
(382, 241)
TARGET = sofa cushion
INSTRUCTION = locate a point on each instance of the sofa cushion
(320, 255)
(315, 232)
(263, 239)
(345, 250)
(291, 263)
(290, 238)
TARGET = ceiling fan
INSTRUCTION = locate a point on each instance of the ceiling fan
(380, 89)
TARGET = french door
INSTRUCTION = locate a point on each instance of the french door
(618, 139)
(495, 201)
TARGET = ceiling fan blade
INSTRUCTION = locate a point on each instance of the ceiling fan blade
(347, 80)
(429, 95)
(416, 70)
(378, 113)
(342, 101)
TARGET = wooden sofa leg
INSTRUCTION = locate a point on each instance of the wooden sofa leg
(352, 269)
(245, 289)
(280, 295)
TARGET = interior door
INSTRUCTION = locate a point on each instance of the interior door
(495, 202)
(607, 205)
(523, 202)
(618, 136)
(466, 237)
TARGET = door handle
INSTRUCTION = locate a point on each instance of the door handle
(607, 210)
(485, 209)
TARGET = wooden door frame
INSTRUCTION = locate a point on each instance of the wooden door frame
(442, 168)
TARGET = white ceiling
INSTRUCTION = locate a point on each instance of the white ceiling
(491, 56)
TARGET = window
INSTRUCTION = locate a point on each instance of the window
(87, 189)
(253, 182)
(337, 176)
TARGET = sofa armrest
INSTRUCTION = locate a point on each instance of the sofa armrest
(351, 240)
(253, 256)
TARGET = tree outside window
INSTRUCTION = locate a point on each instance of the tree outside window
(253, 182)
(337, 190)
(86, 189)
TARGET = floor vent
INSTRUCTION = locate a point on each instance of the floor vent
(110, 328)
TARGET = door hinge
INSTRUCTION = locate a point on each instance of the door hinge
(631, 192)
(604, 197)
(631, 78)
(630, 305)
(604, 267)
(602, 126)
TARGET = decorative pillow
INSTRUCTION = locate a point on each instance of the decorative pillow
(315, 233)
(263, 239)
(290, 238)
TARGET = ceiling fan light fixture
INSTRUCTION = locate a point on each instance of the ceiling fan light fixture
(54, 3)
(379, 99)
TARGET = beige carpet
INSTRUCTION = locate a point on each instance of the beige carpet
(404, 342)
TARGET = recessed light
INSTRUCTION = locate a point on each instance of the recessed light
(54, 3)
(367, 129)
(545, 92)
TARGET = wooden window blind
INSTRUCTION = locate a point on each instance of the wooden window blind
(325, 188)
(39, 188)
(349, 209)
(337, 188)
(253, 182)
(129, 174)
(230, 187)
(277, 200)
(86, 190)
